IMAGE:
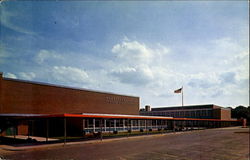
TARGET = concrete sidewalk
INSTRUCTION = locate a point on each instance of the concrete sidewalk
(8, 148)
(39, 139)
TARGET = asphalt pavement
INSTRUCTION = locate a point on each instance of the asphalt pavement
(211, 144)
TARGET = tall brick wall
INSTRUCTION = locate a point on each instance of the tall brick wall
(26, 97)
(221, 113)
(225, 114)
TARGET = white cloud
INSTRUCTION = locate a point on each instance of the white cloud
(153, 73)
(212, 73)
(7, 20)
(27, 76)
(70, 75)
(135, 60)
(139, 75)
(11, 75)
(138, 53)
(44, 55)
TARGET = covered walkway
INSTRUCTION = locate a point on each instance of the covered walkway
(86, 125)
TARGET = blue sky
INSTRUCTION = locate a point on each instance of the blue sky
(146, 49)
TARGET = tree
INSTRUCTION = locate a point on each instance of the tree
(241, 112)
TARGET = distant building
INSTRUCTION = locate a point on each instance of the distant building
(207, 111)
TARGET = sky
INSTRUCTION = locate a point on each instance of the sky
(140, 48)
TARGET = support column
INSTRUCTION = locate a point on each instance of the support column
(87, 121)
(123, 124)
(139, 126)
(115, 124)
(47, 130)
(109, 125)
(14, 129)
(156, 126)
(173, 125)
(131, 125)
(65, 130)
(105, 126)
(151, 124)
(32, 128)
(94, 125)
(29, 125)
(101, 124)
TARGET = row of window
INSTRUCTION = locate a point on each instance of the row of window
(120, 122)
(187, 114)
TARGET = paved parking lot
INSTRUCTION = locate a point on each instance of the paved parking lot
(211, 144)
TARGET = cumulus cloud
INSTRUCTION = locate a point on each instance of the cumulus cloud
(153, 73)
(11, 75)
(133, 51)
(69, 75)
(136, 52)
(44, 55)
(27, 75)
(21, 75)
(136, 75)
(135, 60)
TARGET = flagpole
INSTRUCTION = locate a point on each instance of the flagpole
(182, 107)
(182, 96)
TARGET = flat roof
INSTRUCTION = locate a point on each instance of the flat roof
(200, 106)
(19, 115)
(104, 116)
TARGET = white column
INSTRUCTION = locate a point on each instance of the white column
(94, 124)
(115, 124)
(105, 125)
(123, 124)
(156, 124)
(131, 125)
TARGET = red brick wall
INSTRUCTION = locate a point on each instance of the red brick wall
(22, 129)
(25, 97)
(225, 114)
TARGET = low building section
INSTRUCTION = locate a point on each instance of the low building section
(85, 124)
(208, 111)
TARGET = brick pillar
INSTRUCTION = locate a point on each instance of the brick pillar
(244, 123)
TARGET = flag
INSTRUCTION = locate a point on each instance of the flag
(178, 90)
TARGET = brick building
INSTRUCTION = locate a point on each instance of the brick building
(19, 99)
(38, 109)
(26, 97)
(208, 111)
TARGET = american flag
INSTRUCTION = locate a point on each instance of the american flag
(178, 90)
